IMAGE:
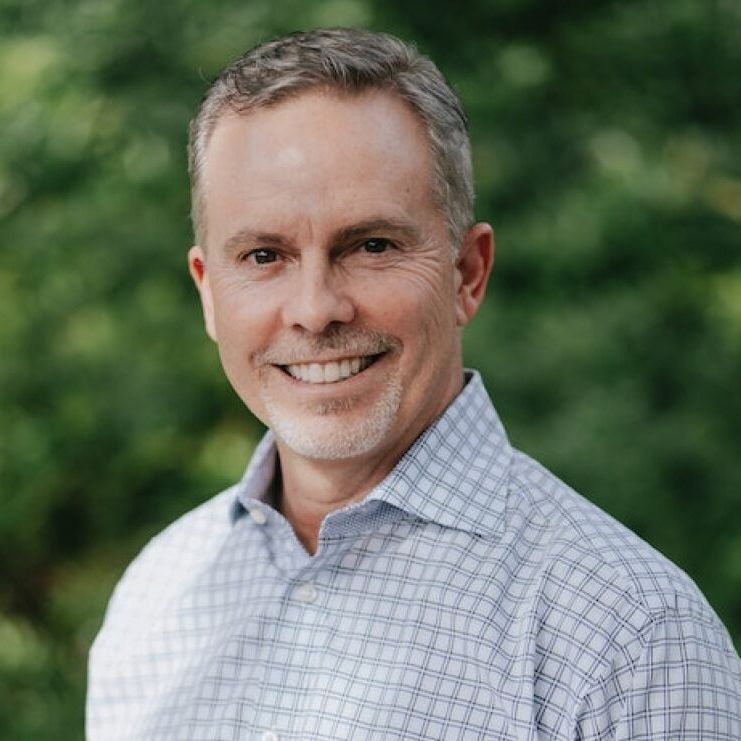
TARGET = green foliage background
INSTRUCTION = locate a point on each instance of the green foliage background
(607, 141)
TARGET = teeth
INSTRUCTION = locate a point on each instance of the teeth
(316, 373)
(328, 372)
(331, 372)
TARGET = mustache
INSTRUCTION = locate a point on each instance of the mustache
(335, 341)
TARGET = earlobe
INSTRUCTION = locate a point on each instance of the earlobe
(197, 268)
(473, 267)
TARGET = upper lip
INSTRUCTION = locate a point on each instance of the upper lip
(322, 361)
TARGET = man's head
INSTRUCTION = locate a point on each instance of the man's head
(328, 282)
(348, 61)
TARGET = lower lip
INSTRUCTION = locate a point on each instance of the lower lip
(328, 388)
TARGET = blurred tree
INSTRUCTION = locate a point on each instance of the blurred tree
(606, 139)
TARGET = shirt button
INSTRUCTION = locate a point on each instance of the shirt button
(306, 592)
(269, 736)
(259, 518)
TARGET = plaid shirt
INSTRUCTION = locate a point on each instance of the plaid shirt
(470, 595)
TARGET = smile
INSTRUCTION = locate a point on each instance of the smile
(331, 371)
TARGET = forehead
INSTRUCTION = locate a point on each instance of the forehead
(320, 157)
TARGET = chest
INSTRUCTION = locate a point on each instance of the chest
(382, 639)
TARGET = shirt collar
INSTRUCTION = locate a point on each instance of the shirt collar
(255, 484)
(456, 471)
(454, 474)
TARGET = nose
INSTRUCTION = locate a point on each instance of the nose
(317, 299)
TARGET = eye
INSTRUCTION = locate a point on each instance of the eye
(261, 256)
(376, 245)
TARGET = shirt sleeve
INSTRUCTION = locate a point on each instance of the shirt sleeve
(679, 679)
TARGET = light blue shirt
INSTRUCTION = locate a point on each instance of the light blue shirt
(470, 595)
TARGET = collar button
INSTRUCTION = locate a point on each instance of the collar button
(258, 516)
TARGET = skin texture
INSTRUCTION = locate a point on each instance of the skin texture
(324, 243)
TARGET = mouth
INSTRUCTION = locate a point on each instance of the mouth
(332, 371)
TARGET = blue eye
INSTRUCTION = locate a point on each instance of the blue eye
(376, 245)
(262, 256)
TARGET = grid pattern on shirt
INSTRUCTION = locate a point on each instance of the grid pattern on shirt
(471, 595)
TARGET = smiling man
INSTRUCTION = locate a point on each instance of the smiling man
(388, 567)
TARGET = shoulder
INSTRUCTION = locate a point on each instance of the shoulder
(585, 544)
(616, 621)
(167, 564)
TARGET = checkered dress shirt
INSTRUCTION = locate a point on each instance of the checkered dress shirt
(470, 595)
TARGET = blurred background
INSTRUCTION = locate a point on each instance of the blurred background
(606, 139)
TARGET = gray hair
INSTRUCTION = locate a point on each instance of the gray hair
(350, 61)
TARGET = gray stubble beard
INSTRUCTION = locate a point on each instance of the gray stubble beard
(336, 439)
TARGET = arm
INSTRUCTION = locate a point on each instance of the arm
(679, 679)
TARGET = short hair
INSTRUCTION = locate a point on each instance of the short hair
(348, 61)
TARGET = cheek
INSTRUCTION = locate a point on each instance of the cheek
(243, 315)
(426, 299)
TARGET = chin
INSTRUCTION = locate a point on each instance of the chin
(335, 429)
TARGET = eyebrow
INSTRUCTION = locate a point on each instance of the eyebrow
(376, 225)
(247, 236)
(380, 226)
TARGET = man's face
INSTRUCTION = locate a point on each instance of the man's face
(328, 280)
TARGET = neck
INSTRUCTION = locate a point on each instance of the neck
(311, 489)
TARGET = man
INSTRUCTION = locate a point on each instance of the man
(388, 567)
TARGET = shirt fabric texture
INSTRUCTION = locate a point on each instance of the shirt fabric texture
(470, 595)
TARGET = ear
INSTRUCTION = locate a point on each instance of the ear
(472, 269)
(197, 267)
